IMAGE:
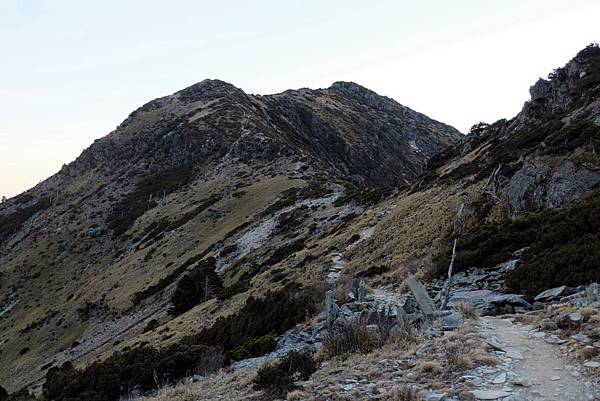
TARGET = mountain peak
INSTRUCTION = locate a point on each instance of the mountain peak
(352, 89)
(206, 89)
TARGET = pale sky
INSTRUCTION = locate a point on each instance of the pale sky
(71, 71)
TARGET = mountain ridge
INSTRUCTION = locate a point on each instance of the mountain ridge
(273, 197)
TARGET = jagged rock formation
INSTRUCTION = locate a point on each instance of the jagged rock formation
(537, 186)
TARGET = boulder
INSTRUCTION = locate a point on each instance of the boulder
(514, 300)
(452, 321)
(421, 296)
(553, 294)
(490, 302)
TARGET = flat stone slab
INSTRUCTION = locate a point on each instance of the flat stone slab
(592, 365)
(490, 394)
(421, 296)
(500, 379)
(511, 352)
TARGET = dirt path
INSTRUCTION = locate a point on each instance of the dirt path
(531, 368)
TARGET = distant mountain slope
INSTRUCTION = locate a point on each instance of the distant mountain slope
(215, 218)
(93, 254)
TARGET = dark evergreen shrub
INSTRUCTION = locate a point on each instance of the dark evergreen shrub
(164, 282)
(563, 247)
(254, 348)
(12, 222)
(272, 315)
(279, 378)
(140, 369)
(195, 287)
(136, 203)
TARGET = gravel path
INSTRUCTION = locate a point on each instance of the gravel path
(531, 368)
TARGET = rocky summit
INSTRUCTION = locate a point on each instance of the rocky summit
(316, 244)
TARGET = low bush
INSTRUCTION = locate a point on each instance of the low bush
(237, 288)
(405, 394)
(140, 200)
(21, 395)
(195, 287)
(284, 251)
(468, 311)
(157, 228)
(350, 338)
(164, 282)
(254, 347)
(12, 222)
(279, 378)
(272, 315)
(562, 247)
(363, 196)
(140, 369)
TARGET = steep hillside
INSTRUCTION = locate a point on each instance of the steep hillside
(206, 229)
(249, 185)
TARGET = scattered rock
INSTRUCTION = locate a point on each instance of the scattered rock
(490, 394)
(452, 321)
(500, 379)
(592, 365)
(553, 294)
(581, 338)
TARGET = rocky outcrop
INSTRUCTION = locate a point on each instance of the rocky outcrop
(537, 186)
(565, 90)
(483, 289)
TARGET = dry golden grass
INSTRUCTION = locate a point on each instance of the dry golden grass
(527, 319)
(595, 319)
(587, 312)
(227, 386)
(586, 353)
(468, 311)
(462, 362)
(414, 227)
(486, 359)
(296, 395)
(430, 367)
(405, 394)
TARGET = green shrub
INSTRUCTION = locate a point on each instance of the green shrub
(272, 315)
(164, 282)
(284, 251)
(565, 251)
(363, 196)
(237, 288)
(136, 203)
(279, 378)
(152, 324)
(21, 395)
(12, 222)
(254, 347)
(562, 249)
(350, 338)
(140, 369)
(195, 287)
(157, 228)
